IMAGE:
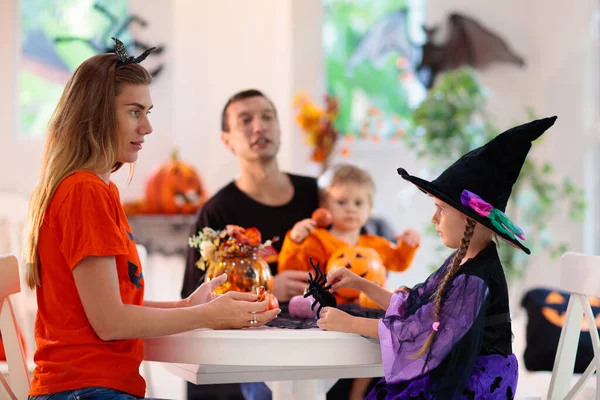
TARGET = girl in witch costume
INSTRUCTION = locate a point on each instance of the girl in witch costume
(450, 336)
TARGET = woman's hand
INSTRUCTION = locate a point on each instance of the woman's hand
(205, 292)
(237, 310)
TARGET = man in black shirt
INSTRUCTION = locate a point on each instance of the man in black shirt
(262, 196)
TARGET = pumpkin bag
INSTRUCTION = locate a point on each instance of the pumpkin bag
(546, 313)
(364, 262)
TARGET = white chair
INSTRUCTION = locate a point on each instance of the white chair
(15, 353)
(579, 275)
(13, 213)
(145, 367)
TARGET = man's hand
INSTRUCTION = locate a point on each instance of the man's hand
(288, 284)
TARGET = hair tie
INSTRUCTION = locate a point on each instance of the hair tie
(124, 58)
(435, 326)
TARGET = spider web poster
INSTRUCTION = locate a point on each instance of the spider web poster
(57, 36)
(370, 48)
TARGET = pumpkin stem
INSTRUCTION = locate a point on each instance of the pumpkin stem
(174, 154)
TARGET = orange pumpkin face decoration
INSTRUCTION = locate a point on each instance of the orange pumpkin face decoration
(364, 262)
(174, 188)
(557, 317)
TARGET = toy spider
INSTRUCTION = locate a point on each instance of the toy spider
(103, 43)
(320, 293)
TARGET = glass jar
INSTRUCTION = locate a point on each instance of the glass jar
(245, 272)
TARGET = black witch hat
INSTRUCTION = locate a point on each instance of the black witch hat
(480, 182)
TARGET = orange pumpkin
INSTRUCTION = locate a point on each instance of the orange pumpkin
(273, 302)
(364, 262)
(135, 207)
(557, 317)
(174, 188)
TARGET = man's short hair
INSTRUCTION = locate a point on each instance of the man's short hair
(244, 94)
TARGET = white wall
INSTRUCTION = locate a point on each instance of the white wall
(222, 47)
(19, 160)
(158, 146)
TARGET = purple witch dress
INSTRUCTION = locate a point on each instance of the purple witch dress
(471, 356)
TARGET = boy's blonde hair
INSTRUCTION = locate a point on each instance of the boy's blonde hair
(341, 174)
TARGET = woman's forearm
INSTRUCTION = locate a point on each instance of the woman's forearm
(138, 322)
(166, 304)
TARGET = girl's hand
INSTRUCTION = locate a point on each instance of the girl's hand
(333, 319)
(344, 278)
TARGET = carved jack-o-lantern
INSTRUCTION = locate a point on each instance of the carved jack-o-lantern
(363, 262)
(557, 317)
(174, 188)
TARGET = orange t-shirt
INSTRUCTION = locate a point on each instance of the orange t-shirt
(84, 218)
(320, 244)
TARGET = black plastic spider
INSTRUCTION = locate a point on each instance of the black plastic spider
(104, 44)
(320, 293)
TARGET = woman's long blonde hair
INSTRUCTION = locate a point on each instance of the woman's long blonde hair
(82, 135)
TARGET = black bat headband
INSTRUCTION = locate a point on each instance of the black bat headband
(124, 58)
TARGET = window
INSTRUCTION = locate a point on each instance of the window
(57, 35)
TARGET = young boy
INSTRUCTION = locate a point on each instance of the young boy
(347, 192)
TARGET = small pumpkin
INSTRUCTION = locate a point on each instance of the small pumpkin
(135, 207)
(174, 187)
(273, 302)
(301, 307)
(364, 262)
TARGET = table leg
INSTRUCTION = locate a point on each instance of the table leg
(310, 389)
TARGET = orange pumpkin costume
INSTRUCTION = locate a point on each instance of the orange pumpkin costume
(321, 244)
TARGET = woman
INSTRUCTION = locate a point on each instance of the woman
(80, 252)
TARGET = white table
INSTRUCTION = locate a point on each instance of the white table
(295, 364)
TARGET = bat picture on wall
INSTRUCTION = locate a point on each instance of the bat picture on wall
(468, 43)
(104, 44)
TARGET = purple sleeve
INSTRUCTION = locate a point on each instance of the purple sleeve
(401, 338)
(397, 304)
